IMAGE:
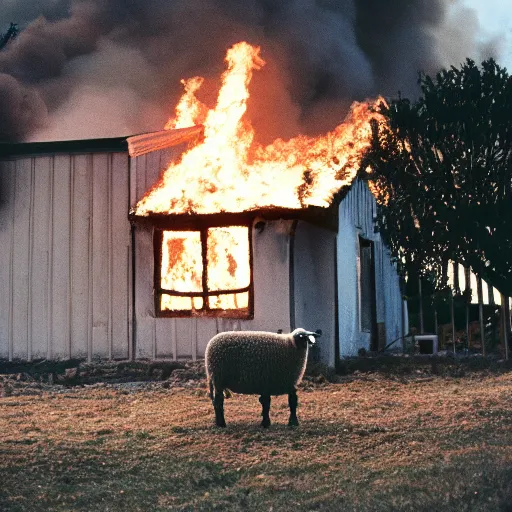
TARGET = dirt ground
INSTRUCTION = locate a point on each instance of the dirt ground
(97, 437)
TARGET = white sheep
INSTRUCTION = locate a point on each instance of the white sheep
(260, 363)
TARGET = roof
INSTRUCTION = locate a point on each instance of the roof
(115, 144)
(147, 142)
(136, 145)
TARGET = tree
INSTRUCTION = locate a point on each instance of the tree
(441, 168)
(11, 33)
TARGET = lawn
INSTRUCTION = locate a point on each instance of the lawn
(370, 441)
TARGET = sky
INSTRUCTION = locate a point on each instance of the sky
(495, 19)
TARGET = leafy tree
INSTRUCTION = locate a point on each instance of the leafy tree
(441, 168)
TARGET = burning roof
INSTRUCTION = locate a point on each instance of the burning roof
(226, 171)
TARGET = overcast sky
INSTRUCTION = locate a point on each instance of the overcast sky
(495, 17)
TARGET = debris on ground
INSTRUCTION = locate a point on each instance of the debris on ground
(37, 377)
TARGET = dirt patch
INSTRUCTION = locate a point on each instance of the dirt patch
(19, 378)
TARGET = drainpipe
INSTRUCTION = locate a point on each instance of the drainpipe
(291, 273)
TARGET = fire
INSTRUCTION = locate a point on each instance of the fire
(228, 266)
(189, 110)
(228, 172)
(227, 271)
(206, 271)
(182, 269)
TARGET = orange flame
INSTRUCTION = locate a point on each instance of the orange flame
(209, 270)
(227, 269)
(189, 110)
(228, 172)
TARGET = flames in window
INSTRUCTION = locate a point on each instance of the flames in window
(206, 270)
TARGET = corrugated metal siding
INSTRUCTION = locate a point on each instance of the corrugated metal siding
(356, 218)
(64, 256)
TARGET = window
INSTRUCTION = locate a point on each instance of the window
(204, 272)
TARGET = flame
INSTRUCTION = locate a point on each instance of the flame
(228, 268)
(182, 269)
(229, 172)
(189, 110)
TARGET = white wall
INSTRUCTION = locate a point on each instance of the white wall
(315, 285)
(356, 214)
(64, 256)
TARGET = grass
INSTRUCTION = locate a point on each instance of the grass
(371, 442)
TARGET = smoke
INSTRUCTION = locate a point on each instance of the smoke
(100, 68)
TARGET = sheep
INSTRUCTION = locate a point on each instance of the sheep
(257, 362)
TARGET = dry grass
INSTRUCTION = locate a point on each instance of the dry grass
(372, 442)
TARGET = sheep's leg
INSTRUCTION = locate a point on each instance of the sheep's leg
(292, 403)
(265, 404)
(218, 405)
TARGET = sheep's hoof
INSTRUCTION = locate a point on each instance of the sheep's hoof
(293, 422)
(265, 423)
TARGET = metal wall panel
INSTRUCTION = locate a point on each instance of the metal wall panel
(7, 189)
(315, 285)
(22, 281)
(64, 254)
(356, 218)
(60, 282)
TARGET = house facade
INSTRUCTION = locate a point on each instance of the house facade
(80, 278)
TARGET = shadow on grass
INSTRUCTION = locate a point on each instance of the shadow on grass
(130, 480)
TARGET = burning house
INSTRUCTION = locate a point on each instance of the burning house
(149, 245)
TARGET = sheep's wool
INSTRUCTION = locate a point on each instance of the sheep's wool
(253, 362)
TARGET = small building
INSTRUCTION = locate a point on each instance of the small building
(82, 276)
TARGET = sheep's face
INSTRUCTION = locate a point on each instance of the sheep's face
(303, 338)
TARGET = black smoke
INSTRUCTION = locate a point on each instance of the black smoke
(95, 68)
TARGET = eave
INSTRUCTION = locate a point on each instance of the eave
(323, 217)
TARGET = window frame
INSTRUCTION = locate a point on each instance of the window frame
(205, 311)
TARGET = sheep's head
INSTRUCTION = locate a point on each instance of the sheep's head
(303, 338)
